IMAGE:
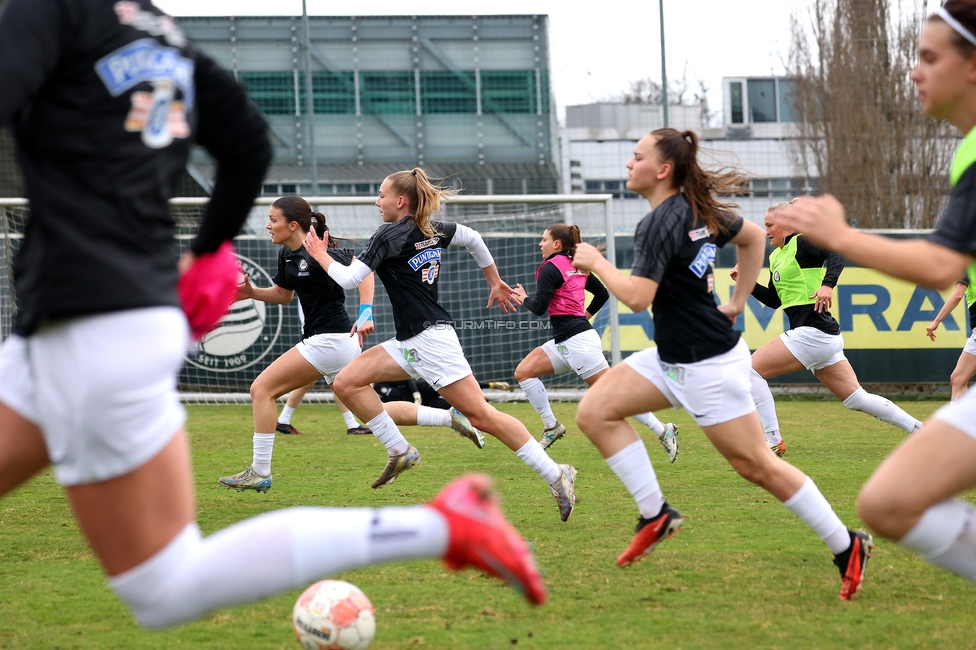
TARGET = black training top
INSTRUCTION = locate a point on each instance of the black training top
(956, 228)
(104, 99)
(564, 327)
(409, 265)
(674, 248)
(322, 300)
(808, 256)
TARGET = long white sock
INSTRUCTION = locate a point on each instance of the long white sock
(262, 448)
(633, 467)
(533, 455)
(385, 430)
(536, 393)
(766, 408)
(651, 422)
(272, 553)
(812, 508)
(879, 407)
(350, 420)
(946, 536)
(286, 413)
(431, 417)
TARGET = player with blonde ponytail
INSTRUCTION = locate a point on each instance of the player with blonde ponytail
(406, 253)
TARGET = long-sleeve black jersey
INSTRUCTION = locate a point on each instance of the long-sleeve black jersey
(564, 327)
(104, 99)
(808, 256)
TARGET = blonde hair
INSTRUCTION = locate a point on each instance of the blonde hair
(780, 205)
(423, 197)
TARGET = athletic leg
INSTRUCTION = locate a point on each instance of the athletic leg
(840, 379)
(537, 364)
(22, 450)
(771, 360)
(294, 399)
(964, 371)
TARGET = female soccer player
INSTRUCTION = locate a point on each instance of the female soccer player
(912, 498)
(804, 288)
(406, 253)
(575, 344)
(104, 100)
(966, 364)
(700, 363)
(329, 344)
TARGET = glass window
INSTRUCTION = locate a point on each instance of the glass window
(333, 93)
(448, 92)
(363, 189)
(289, 188)
(269, 190)
(787, 110)
(759, 186)
(272, 92)
(508, 91)
(762, 100)
(387, 93)
(507, 186)
(474, 186)
(344, 189)
(735, 90)
(540, 185)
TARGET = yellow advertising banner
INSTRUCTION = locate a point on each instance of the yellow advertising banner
(874, 311)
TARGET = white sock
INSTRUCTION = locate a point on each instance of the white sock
(262, 447)
(651, 422)
(879, 407)
(269, 554)
(385, 430)
(766, 408)
(812, 509)
(431, 417)
(536, 393)
(633, 467)
(285, 417)
(533, 455)
(350, 420)
(946, 536)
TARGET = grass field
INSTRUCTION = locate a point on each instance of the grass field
(742, 573)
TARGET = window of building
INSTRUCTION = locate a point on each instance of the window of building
(507, 186)
(345, 189)
(508, 91)
(272, 92)
(289, 188)
(785, 90)
(363, 189)
(333, 93)
(387, 93)
(762, 100)
(735, 93)
(448, 92)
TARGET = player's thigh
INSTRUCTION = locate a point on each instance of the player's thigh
(839, 379)
(621, 392)
(374, 365)
(465, 395)
(773, 359)
(965, 366)
(535, 364)
(130, 518)
(291, 371)
(22, 450)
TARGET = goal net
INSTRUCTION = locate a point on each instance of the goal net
(253, 334)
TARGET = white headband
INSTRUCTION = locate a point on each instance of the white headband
(956, 25)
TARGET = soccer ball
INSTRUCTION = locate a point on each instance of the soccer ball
(334, 615)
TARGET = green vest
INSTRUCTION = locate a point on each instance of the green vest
(794, 285)
(964, 157)
(971, 287)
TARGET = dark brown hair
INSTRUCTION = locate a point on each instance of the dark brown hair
(295, 208)
(965, 12)
(699, 186)
(568, 236)
(423, 197)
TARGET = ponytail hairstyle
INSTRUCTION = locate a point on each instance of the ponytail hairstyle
(423, 197)
(569, 236)
(295, 208)
(698, 185)
(963, 12)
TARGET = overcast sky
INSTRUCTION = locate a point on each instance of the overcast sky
(598, 47)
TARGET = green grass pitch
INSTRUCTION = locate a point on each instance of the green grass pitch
(742, 573)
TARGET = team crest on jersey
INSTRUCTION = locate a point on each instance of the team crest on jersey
(426, 257)
(158, 115)
(699, 233)
(303, 264)
(775, 276)
(427, 243)
(245, 335)
(130, 13)
(429, 274)
(704, 260)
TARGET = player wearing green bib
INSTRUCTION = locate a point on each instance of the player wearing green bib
(802, 278)
(912, 498)
(966, 365)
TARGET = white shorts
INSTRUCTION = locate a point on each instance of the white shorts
(329, 353)
(582, 353)
(813, 348)
(712, 391)
(971, 344)
(434, 355)
(101, 388)
(961, 413)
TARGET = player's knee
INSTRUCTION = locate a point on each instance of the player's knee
(588, 418)
(878, 511)
(522, 373)
(753, 470)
